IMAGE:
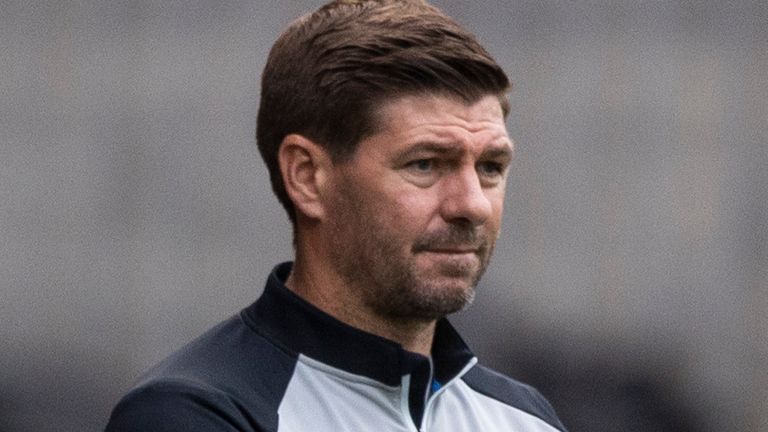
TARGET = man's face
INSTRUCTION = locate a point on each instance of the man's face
(416, 212)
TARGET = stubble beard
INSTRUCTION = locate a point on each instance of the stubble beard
(387, 279)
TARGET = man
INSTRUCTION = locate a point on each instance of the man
(382, 125)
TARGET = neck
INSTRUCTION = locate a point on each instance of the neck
(314, 280)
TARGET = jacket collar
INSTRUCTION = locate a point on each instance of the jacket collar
(300, 328)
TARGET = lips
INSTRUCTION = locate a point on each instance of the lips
(453, 241)
(454, 251)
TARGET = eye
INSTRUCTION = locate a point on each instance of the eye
(423, 172)
(421, 166)
(490, 169)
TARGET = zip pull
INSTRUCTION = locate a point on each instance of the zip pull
(435, 386)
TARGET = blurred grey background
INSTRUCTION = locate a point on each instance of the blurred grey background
(631, 280)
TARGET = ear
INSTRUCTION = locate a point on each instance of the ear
(304, 165)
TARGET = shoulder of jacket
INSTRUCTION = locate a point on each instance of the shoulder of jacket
(511, 392)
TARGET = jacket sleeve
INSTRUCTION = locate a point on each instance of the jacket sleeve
(176, 406)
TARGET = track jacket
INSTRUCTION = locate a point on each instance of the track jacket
(282, 365)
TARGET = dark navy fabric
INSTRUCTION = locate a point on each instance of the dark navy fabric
(229, 379)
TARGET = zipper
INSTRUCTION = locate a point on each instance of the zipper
(428, 405)
(427, 398)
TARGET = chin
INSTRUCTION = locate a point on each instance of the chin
(444, 297)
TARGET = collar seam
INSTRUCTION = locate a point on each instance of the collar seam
(252, 327)
(343, 374)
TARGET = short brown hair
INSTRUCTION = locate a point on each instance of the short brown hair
(330, 69)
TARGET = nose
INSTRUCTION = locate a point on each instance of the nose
(465, 200)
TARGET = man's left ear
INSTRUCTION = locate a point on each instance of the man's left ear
(305, 166)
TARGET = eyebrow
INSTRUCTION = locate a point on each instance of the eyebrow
(497, 150)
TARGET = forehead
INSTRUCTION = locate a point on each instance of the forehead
(412, 119)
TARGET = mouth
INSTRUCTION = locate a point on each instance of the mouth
(453, 251)
(453, 242)
(453, 254)
(452, 262)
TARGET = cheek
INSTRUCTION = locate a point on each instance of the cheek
(415, 209)
(497, 203)
(402, 203)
